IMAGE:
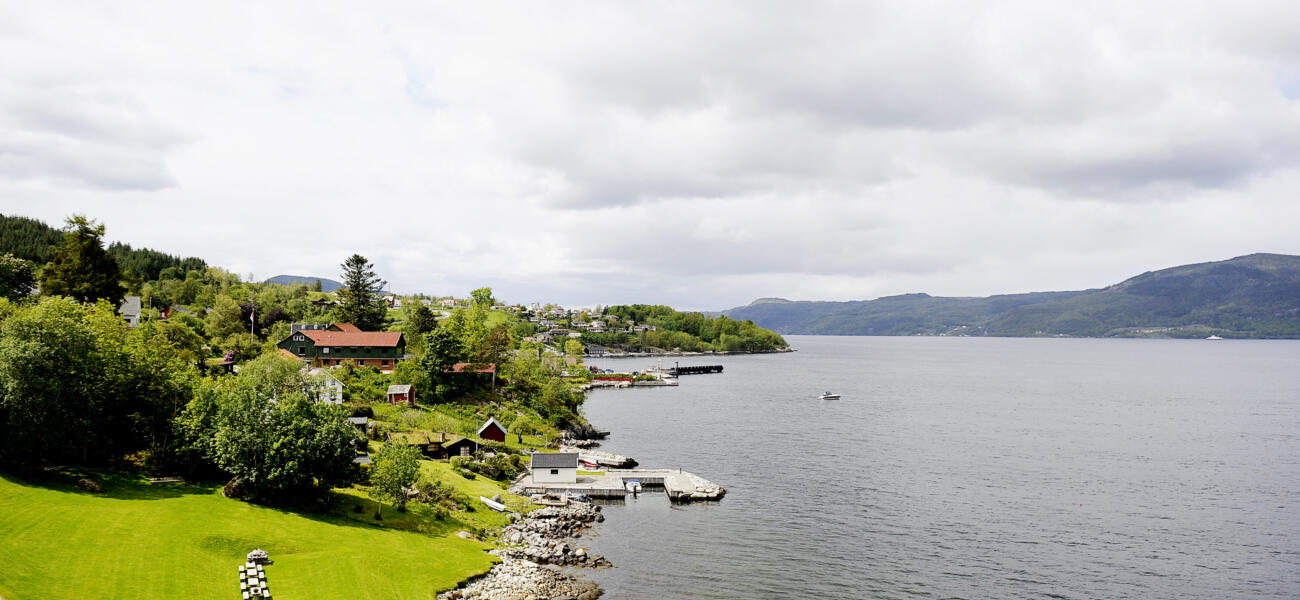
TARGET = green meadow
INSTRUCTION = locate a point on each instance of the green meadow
(166, 541)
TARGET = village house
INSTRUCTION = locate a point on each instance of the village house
(130, 310)
(492, 430)
(554, 468)
(439, 445)
(401, 394)
(343, 341)
(329, 389)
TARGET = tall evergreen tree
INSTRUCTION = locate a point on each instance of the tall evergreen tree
(360, 302)
(81, 268)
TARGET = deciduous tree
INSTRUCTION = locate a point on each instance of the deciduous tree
(392, 470)
(16, 278)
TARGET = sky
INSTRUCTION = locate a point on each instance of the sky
(696, 154)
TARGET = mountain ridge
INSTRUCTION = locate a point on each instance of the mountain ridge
(1251, 296)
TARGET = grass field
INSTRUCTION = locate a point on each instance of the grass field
(167, 541)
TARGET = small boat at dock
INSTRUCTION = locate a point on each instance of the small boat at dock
(493, 504)
(828, 396)
(633, 486)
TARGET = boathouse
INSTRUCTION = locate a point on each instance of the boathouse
(555, 468)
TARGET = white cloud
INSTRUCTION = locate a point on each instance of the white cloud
(693, 154)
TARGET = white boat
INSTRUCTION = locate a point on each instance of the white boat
(829, 396)
(634, 486)
(493, 504)
(1214, 337)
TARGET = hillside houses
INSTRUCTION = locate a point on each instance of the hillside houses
(343, 341)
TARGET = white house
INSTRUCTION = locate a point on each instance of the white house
(554, 468)
(130, 310)
(328, 387)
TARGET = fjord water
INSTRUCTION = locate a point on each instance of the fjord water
(966, 468)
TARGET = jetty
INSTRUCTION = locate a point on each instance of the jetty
(679, 485)
(674, 371)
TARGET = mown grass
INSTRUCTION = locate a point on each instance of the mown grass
(166, 541)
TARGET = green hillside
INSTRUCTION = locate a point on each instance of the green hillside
(1255, 296)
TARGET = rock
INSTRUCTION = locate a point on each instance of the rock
(89, 485)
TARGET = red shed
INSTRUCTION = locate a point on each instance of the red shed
(492, 431)
(400, 394)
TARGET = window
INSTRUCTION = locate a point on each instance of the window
(300, 350)
(324, 350)
(384, 363)
(297, 338)
(555, 471)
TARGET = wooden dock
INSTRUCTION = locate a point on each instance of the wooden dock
(679, 485)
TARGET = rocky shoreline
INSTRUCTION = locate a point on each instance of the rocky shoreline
(542, 537)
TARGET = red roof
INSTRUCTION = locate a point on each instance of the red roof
(346, 327)
(354, 338)
(289, 354)
(466, 368)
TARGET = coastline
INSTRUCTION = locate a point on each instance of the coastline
(682, 353)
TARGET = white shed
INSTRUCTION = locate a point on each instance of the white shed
(554, 468)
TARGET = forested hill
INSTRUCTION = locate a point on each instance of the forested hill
(34, 241)
(1255, 296)
(327, 285)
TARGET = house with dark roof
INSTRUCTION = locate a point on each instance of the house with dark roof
(554, 468)
(343, 341)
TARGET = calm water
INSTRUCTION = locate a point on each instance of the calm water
(967, 468)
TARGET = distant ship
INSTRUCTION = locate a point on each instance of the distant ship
(829, 396)
(1214, 337)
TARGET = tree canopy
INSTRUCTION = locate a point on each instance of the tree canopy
(360, 302)
(16, 278)
(81, 268)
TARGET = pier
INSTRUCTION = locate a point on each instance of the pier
(679, 485)
(694, 370)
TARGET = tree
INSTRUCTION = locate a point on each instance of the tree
(483, 297)
(268, 432)
(81, 268)
(421, 320)
(77, 386)
(16, 278)
(360, 302)
(392, 470)
(225, 319)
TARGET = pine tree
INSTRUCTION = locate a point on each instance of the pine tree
(81, 268)
(360, 302)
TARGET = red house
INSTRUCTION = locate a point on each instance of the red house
(492, 431)
(401, 394)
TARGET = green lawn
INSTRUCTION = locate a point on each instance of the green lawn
(166, 541)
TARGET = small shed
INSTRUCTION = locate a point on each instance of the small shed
(401, 394)
(454, 445)
(361, 423)
(554, 468)
(492, 430)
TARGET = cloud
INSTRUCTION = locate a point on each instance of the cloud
(697, 155)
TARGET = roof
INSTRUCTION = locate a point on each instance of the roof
(491, 421)
(318, 372)
(410, 438)
(130, 306)
(542, 460)
(466, 368)
(354, 338)
(345, 327)
(399, 389)
(359, 420)
(289, 354)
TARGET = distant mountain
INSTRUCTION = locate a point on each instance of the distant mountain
(326, 284)
(1256, 296)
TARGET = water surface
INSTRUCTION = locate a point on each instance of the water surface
(966, 468)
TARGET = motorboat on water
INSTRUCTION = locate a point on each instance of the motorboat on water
(829, 396)
(633, 486)
(1214, 337)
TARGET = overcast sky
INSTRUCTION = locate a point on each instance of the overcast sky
(698, 154)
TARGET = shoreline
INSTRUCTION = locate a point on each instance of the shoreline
(534, 548)
(681, 354)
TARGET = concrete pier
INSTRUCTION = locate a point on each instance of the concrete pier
(679, 485)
